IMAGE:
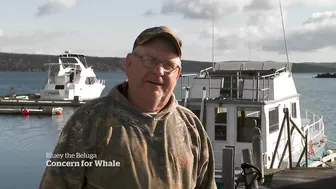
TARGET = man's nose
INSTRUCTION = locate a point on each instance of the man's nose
(158, 69)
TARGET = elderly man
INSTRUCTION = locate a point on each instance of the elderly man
(137, 136)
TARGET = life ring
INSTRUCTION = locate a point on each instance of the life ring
(311, 149)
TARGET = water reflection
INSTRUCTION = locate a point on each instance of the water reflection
(58, 121)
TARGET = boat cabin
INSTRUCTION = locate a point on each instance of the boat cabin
(231, 99)
(71, 77)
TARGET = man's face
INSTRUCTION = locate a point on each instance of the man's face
(153, 83)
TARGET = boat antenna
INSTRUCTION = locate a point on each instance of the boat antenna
(249, 49)
(213, 34)
(284, 34)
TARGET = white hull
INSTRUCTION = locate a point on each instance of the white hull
(69, 79)
(83, 93)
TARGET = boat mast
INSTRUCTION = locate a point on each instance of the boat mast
(213, 34)
(284, 34)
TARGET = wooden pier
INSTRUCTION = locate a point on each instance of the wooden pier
(36, 102)
(301, 178)
(323, 176)
(31, 111)
(295, 178)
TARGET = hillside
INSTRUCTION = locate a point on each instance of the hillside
(35, 63)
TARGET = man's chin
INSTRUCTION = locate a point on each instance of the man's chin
(156, 93)
(151, 88)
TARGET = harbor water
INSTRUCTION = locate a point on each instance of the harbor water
(24, 141)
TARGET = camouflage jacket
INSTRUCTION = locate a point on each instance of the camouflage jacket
(108, 143)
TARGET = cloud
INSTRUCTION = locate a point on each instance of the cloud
(264, 33)
(268, 5)
(203, 9)
(314, 3)
(321, 17)
(260, 5)
(199, 9)
(55, 6)
(316, 34)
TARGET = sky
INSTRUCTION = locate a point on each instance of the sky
(229, 30)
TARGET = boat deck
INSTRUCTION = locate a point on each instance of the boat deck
(297, 178)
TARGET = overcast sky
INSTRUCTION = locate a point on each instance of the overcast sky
(244, 29)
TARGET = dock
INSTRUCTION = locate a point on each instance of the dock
(31, 104)
(31, 111)
(321, 176)
(36, 102)
(301, 178)
(297, 178)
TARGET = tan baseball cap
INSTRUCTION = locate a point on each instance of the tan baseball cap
(163, 31)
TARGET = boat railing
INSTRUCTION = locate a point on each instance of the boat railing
(101, 81)
(205, 70)
(314, 125)
(188, 79)
(232, 86)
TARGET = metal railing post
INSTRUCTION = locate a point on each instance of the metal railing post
(257, 95)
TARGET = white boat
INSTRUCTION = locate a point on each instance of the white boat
(70, 79)
(232, 98)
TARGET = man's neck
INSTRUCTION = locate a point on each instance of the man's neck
(145, 105)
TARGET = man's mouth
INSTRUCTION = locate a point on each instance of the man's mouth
(155, 83)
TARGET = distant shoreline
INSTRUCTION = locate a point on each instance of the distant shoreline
(1, 71)
(15, 62)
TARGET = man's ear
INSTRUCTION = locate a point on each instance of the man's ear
(178, 73)
(128, 62)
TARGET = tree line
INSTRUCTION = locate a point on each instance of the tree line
(35, 63)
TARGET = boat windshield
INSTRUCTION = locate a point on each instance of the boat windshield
(68, 60)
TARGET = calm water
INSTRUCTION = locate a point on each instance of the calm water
(24, 141)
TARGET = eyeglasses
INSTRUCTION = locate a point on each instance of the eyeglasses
(151, 62)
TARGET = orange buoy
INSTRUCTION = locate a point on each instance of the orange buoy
(56, 111)
(25, 112)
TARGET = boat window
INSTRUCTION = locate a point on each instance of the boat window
(293, 109)
(53, 72)
(246, 120)
(90, 80)
(220, 123)
(59, 86)
(273, 115)
(68, 60)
